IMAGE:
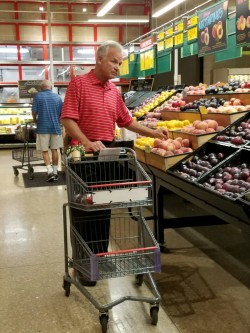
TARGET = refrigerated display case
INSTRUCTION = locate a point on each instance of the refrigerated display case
(12, 115)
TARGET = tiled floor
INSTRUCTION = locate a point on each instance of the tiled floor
(204, 282)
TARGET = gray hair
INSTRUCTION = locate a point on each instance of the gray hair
(104, 48)
(45, 84)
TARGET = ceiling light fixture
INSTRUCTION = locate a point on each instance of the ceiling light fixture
(106, 6)
(41, 9)
(84, 9)
(13, 50)
(162, 10)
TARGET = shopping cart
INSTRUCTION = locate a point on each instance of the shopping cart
(27, 154)
(121, 242)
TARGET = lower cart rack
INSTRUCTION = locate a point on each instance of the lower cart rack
(131, 250)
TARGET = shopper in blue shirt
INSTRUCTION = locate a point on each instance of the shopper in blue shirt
(46, 111)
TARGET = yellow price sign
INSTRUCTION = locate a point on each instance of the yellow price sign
(178, 39)
(169, 43)
(132, 57)
(192, 21)
(192, 33)
(161, 35)
(179, 27)
(203, 110)
(169, 32)
(160, 46)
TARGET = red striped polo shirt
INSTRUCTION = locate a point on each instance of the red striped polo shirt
(95, 106)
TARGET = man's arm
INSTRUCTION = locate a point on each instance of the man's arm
(73, 130)
(161, 133)
(34, 117)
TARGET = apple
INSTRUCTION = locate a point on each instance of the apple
(212, 124)
(177, 144)
(186, 143)
(237, 101)
(157, 143)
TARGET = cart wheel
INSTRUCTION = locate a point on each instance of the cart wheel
(139, 279)
(16, 172)
(154, 314)
(104, 318)
(31, 173)
(66, 287)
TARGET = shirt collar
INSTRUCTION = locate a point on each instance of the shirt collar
(95, 81)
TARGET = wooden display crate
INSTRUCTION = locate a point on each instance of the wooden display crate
(195, 140)
(140, 154)
(161, 162)
(185, 115)
(224, 119)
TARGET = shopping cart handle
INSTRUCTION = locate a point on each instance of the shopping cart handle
(120, 184)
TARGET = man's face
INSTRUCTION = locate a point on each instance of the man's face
(109, 65)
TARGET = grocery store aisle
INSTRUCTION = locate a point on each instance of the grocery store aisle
(199, 295)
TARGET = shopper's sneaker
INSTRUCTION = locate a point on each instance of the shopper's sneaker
(51, 177)
(55, 177)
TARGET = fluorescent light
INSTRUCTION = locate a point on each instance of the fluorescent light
(106, 6)
(126, 20)
(86, 51)
(166, 8)
(13, 50)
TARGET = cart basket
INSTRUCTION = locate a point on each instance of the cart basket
(132, 248)
(111, 182)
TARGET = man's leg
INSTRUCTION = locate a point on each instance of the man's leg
(42, 144)
(55, 144)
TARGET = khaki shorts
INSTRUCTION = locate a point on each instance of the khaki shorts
(44, 142)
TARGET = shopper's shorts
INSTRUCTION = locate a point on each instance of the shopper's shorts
(44, 142)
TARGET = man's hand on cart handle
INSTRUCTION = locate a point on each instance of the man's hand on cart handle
(94, 146)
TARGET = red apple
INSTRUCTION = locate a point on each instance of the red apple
(186, 143)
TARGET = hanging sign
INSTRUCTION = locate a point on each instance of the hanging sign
(124, 68)
(192, 29)
(178, 30)
(131, 53)
(178, 40)
(147, 54)
(169, 39)
(212, 29)
(242, 22)
(160, 41)
(27, 88)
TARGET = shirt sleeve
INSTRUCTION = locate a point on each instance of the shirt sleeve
(71, 102)
(124, 118)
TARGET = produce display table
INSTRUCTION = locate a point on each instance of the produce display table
(213, 208)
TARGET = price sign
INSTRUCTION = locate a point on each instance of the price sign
(169, 43)
(178, 39)
(203, 110)
(192, 21)
(160, 46)
(192, 34)
(161, 35)
(179, 27)
(169, 32)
